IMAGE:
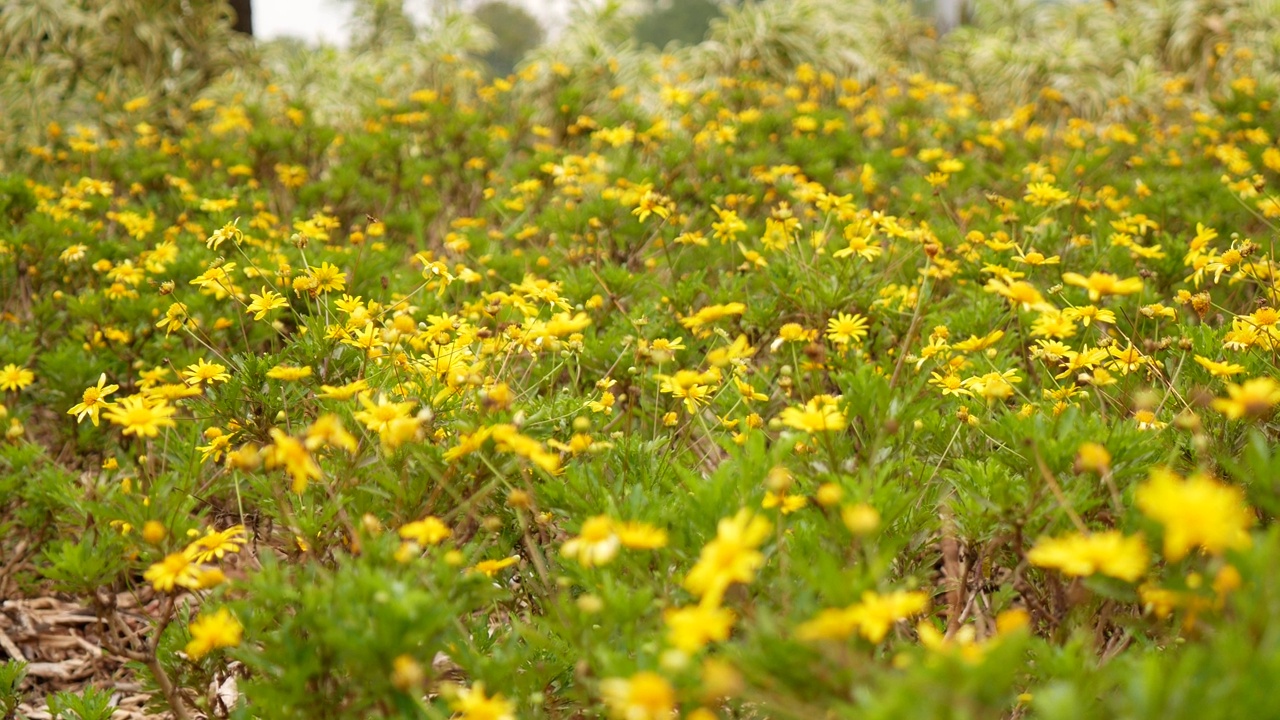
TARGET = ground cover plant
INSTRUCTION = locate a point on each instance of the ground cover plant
(608, 389)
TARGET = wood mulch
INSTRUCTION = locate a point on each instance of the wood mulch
(59, 641)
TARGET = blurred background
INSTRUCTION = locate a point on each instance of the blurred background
(97, 62)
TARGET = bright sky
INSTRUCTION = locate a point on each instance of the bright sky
(325, 20)
(312, 20)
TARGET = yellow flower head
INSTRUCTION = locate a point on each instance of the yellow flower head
(643, 696)
(93, 400)
(730, 558)
(1080, 555)
(211, 632)
(1196, 512)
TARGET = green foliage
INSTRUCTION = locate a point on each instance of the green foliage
(683, 23)
(803, 372)
(88, 704)
(12, 673)
(515, 33)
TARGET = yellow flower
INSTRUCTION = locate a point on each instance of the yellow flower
(1100, 284)
(472, 704)
(792, 332)
(1254, 398)
(651, 203)
(977, 344)
(327, 278)
(15, 378)
(140, 417)
(174, 318)
(205, 372)
(1087, 314)
(949, 384)
(328, 430)
(1219, 368)
(176, 570)
(342, 392)
(430, 530)
(224, 233)
(844, 328)
(712, 313)
(406, 673)
(877, 613)
(292, 455)
(860, 244)
(1196, 512)
(489, 568)
(691, 628)
(640, 536)
(289, 373)
(861, 519)
(265, 303)
(1046, 195)
(390, 420)
(1093, 457)
(730, 558)
(820, 414)
(596, 543)
(1079, 555)
(643, 696)
(787, 502)
(872, 617)
(217, 543)
(211, 632)
(92, 401)
(1018, 292)
(694, 388)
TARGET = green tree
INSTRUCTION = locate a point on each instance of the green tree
(515, 33)
(684, 22)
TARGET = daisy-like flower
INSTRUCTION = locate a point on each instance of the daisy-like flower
(651, 203)
(380, 416)
(174, 318)
(141, 416)
(205, 372)
(430, 530)
(596, 543)
(949, 384)
(472, 704)
(289, 453)
(1198, 511)
(211, 632)
(643, 696)
(265, 303)
(732, 557)
(489, 568)
(845, 328)
(691, 628)
(72, 254)
(1101, 284)
(15, 378)
(1219, 368)
(820, 414)
(640, 536)
(92, 401)
(1079, 555)
(1253, 398)
(327, 278)
(1046, 195)
(289, 373)
(176, 570)
(342, 392)
(216, 543)
(224, 233)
